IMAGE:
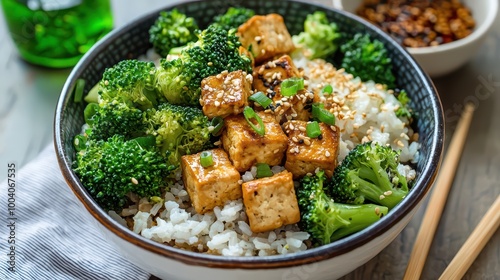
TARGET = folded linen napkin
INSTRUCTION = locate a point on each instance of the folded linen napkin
(55, 238)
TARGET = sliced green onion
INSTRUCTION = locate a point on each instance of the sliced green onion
(261, 98)
(250, 114)
(323, 115)
(79, 87)
(80, 142)
(145, 141)
(313, 130)
(218, 124)
(291, 86)
(328, 89)
(263, 170)
(89, 112)
(206, 159)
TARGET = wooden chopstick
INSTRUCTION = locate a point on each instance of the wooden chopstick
(438, 198)
(474, 244)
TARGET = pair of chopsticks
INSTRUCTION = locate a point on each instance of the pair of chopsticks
(481, 234)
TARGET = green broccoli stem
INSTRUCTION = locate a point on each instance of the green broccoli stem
(382, 193)
(331, 222)
(357, 216)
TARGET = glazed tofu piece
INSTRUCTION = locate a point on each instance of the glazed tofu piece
(271, 202)
(266, 35)
(268, 77)
(226, 93)
(210, 186)
(305, 154)
(246, 148)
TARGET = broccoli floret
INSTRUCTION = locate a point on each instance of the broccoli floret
(404, 110)
(125, 91)
(233, 18)
(215, 51)
(179, 130)
(131, 82)
(327, 220)
(319, 38)
(367, 59)
(113, 168)
(369, 171)
(114, 118)
(172, 29)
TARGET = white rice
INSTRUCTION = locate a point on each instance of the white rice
(367, 113)
(224, 231)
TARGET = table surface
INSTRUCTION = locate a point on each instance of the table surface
(29, 95)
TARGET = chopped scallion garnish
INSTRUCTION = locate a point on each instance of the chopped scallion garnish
(79, 87)
(263, 170)
(328, 89)
(261, 98)
(80, 142)
(323, 115)
(89, 112)
(250, 114)
(206, 159)
(291, 86)
(145, 141)
(313, 130)
(218, 124)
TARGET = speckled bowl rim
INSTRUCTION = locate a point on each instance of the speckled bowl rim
(420, 189)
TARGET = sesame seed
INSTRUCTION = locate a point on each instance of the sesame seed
(377, 210)
(210, 63)
(240, 182)
(307, 142)
(292, 127)
(257, 38)
(217, 143)
(211, 128)
(217, 103)
(261, 70)
(134, 181)
(220, 94)
(249, 78)
(276, 151)
(400, 144)
(301, 128)
(381, 197)
(327, 154)
(224, 72)
(387, 193)
(294, 139)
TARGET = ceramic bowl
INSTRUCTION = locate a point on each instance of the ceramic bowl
(326, 262)
(443, 59)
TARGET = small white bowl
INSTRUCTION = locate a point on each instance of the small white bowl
(443, 59)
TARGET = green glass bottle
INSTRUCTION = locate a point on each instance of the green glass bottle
(56, 33)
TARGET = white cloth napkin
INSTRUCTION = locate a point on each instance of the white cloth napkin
(54, 237)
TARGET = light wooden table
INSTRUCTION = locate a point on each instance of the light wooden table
(28, 96)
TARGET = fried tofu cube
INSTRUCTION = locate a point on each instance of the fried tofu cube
(246, 148)
(225, 94)
(210, 186)
(305, 154)
(268, 77)
(271, 202)
(266, 35)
